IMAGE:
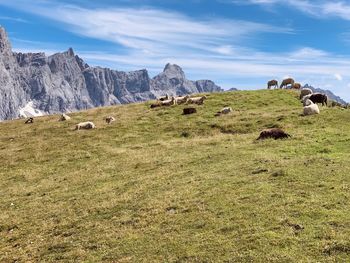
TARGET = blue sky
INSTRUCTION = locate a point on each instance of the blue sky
(236, 43)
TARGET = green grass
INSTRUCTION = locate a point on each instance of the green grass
(158, 186)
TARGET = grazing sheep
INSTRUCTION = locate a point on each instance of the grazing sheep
(85, 125)
(196, 100)
(225, 110)
(319, 98)
(187, 111)
(64, 117)
(29, 120)
(181, 100)
(110, 119)
(286, 82)
(310, 108)
(168, 102)
(304, 92)
(272, 83)
(274, 133)
(166, 97)
(296, 85)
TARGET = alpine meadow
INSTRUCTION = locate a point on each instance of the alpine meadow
(159, 186)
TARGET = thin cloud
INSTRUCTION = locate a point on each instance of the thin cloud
(317, 8)
(14, 19)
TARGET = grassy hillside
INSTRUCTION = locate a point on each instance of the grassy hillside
(157, 186)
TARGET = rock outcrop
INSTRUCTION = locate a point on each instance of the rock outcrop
(33, 84)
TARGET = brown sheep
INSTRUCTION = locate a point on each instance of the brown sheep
(286, 82)
(155, 105)
(274, 133)
(296, 85)
(272, 83)
(187, 111)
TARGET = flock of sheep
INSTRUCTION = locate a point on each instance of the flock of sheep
(308, 98)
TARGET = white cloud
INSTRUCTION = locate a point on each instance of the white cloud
(317, 8)
(338, 77)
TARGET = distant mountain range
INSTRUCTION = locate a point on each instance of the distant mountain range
(33, 84)
(329, 94)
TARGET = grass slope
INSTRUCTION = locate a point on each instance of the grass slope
(157, 186)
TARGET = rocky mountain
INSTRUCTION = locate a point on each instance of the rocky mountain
(34, 84)
(329, 94)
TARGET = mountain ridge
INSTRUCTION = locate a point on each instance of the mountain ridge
(64, 82)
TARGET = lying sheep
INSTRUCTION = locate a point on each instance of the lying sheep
(181, 100)
(155, 105)
(168, 102)
(166, 97)
(225, 110)
(304, 92)
(85, 125)
(110, 119)
(310, 108)
(29, 120)
(196, 100)
(187, 111)
(274, 133)
(305, 98)
(64, 117)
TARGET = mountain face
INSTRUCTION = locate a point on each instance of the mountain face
(33, 84)
(329, 94)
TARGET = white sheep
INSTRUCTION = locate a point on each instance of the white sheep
(196, 100)
(64, 117)
(168, 102)
(110, 119)
(180, 100)
(305, 98)
(85, 125)
(311, 108)
(225, 110)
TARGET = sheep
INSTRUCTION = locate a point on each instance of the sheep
(64, 117)
(166, 97)
(274, 133)
(187, 111)
(155, 105)
(311, 108)
(305, 98)
(110, 119)
(29, 120)
(168, 102)
(196, 100)
(225, 110)
(85, 125)
(181, 100)
(319, 98)
(296, 85)
(304, 92)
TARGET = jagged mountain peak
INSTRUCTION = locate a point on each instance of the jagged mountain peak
(174, 71)
(63, 82)
(5, 45)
